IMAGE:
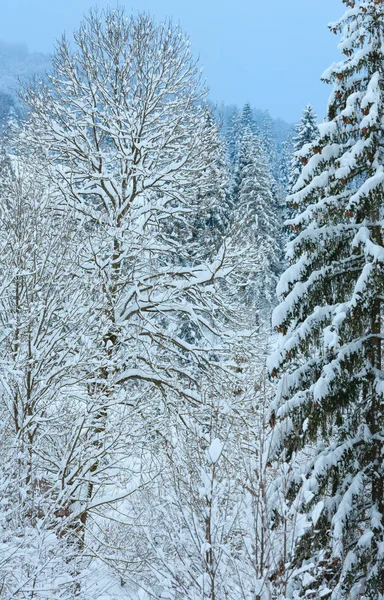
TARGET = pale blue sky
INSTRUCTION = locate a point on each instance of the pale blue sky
(268, 52)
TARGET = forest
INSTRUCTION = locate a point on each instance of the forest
(191, 325)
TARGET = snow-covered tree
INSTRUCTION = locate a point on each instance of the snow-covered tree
(122, 126)
(269, 144)
(247, 119)
(285, 162)
(255, 217)
(204, 527)
(330, 323)
(209, 225)
(240, 121)
(41, 325)
(307, 131)
(231, 134)
(253, 540)
(196, 505)
(267, 134)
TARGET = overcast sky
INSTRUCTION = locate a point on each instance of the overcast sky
(268, 52)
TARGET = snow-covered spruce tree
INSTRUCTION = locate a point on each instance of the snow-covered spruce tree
(209, 225)
(255, 217)
(307, 131)
(238, 123)
(267, 134)
(285, 161)
(247, 119)
(122, 124)
(330, 320)
(231, 134)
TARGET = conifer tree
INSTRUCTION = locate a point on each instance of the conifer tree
(306, 132)
(285, 161)
(239, 123)
(213, 200)
(255, 213)
(268, 139)
(329, 359)
(232, 135)
(247, 120)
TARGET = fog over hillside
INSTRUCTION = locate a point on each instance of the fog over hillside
(17, 64)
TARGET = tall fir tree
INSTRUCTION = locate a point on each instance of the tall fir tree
(210, 221)
(285, 161)
(232, 134)
(255, 214)
(247, 119)
(329, 359)
(240, 121)
(267, 133)
(306, 133)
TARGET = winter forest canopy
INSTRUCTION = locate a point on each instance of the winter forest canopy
(191, 325)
